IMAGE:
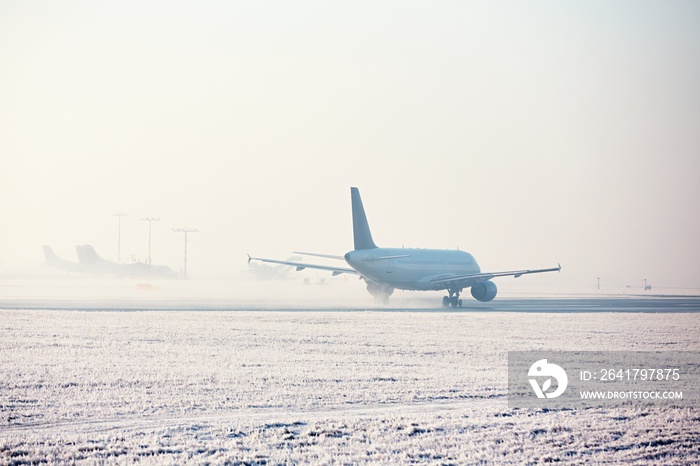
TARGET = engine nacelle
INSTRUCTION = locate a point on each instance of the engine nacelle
(484, 291)
(379, 291)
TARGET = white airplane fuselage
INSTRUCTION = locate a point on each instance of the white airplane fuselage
(411, 269)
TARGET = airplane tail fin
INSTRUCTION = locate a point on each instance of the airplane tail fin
(49, 255)
(87, 254)
(360, 227)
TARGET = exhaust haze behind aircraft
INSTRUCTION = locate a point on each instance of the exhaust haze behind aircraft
(387, 269)
(90, 262)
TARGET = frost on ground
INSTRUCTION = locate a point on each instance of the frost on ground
(318, 387)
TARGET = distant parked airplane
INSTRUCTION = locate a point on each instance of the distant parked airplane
(90, 262)
(52, 260)
(386, 269)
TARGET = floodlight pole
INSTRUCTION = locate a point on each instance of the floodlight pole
(119, 234)
(185, 231)
(149, 220)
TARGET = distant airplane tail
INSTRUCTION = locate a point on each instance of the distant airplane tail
(87, 254)
(49, 255)
(360, 227)
(52, 260)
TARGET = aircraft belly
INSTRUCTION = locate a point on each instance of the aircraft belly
(413, 286)
(405, 280)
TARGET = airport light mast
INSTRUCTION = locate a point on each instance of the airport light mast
(150, 220)
(119, 234)
(185, 231)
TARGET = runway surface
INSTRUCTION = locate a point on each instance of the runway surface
(547, 305)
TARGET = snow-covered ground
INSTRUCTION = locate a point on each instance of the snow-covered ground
(318, 387)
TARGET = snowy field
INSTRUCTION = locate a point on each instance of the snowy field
(318, 387)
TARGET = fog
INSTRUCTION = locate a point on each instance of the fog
(525, 133)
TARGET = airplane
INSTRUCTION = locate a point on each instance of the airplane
(387, 269)
(90, 262)
(56, 262)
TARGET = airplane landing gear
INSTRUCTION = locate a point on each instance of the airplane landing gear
(453, 299)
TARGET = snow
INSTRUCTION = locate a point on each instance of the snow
(318, 387)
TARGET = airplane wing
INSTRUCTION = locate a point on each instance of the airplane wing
(303, 265)
(327, 256)
(473, 278)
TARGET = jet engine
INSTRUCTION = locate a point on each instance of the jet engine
(484, 291)
(379, 291)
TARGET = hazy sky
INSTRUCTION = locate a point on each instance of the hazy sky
(528, 133)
